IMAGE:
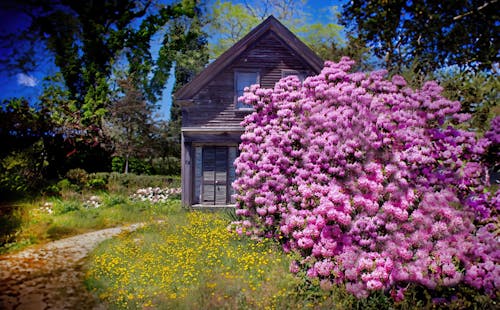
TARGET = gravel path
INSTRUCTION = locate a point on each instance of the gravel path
(51, 276)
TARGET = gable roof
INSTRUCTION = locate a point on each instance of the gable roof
(270, 24)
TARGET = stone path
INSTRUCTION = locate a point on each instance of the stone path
(51, 276)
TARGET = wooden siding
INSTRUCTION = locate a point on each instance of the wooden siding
(214, 104)
(188, 91)
(211, 130)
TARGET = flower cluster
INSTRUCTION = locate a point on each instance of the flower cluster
(154, 194)
(47, 207)
(369, 181)
(92, 202)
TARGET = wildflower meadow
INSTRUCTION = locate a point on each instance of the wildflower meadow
(189, 261)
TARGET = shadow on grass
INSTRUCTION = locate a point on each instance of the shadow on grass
(11, 219)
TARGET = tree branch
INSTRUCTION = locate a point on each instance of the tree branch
(458, 17)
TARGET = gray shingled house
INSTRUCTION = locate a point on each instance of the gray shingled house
(211, 112)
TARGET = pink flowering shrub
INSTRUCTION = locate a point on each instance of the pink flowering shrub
(369, 182)
(494, 133)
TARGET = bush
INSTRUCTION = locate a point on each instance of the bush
(113, 182)
(52, 190)
(117, 164)
(10, 222)
(67, 190)
(66, 185)
(65, 206)
(135, 165)
(78, 177)
(369, 182)
(120, 182)
(167, 166)
(21, 171)
(113, 200)
(96, 182)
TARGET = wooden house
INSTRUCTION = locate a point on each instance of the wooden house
(211, 112)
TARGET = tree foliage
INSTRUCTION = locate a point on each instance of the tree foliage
(436, 33)
(191, 41)
(478, 93)
(21, 125)
(232, 21)
(86, 38)
(88, 42)
(128, 123)
(34, 150)
(23, 131)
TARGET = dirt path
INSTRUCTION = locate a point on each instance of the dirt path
(50, 276)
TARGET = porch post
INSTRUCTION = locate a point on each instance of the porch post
(186, 173)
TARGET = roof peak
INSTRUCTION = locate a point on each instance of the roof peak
(271, 23)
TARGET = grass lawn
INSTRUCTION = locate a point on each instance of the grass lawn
(189, 260)
(46, 219)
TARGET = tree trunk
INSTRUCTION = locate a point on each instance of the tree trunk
(126, 164)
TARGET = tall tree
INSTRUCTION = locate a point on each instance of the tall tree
(232, 21)
(435, 33)
(86, 37)
(189, 40)
(22, 157)
(128, 123)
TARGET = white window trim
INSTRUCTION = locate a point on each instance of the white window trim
(236, 72)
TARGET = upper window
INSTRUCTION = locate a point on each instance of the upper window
(244, 79)
(300, 74)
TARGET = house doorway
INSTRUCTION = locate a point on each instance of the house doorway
(215, 175)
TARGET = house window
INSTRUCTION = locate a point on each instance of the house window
(300, 74)
(244, 79)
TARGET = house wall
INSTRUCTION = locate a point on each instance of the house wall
(212, 118)
(214, 105)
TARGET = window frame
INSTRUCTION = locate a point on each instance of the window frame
(301, 74)
(244, 107)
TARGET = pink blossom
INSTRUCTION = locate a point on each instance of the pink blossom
(369, 182)
(294, 267)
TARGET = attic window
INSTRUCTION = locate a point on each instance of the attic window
(244, 79)
(300, 74)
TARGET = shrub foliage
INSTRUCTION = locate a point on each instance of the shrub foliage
(370, 182)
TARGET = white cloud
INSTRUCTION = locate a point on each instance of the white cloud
(26, 80)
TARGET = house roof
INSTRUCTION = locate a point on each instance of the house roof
(270, 24)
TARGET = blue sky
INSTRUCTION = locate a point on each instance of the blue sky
(29, 84)
(20, 84)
